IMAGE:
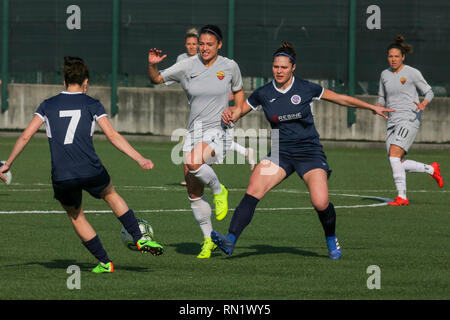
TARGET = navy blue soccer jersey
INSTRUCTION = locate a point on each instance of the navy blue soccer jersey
(290, 113)
(70, 122)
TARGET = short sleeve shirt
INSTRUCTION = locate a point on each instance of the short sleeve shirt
(290, 113)
(207, 88)
(70, 122)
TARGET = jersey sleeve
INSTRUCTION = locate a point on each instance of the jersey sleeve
(421, 83)
(317, 91)
(97, 110)
(176, 72)
(236, 78)
(254, 100)
(40, 111)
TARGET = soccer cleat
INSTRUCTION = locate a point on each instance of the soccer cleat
(207, 248)
(7, 174)
(437, 174)
(250, 154)
(221, 203)
(153, 247)
(104, 268)
(225, 244)
(334, 248)
(399, 201)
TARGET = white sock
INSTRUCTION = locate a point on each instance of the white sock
(202, 213)
(414, 166)
(207, 175)
(236, 147)
(398, 172)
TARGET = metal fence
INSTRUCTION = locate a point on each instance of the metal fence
(341, 43)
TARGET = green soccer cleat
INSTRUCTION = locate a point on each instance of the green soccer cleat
(153, 247)
(207, 248)
(221, 203)
(104, 268)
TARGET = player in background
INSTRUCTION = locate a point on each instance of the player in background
(69, 119)
(207, 79)
(398, 90)
(286, 102)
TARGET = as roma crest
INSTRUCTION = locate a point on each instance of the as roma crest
(220, 75)
(403, 80)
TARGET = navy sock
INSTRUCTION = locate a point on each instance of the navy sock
(96, 249)
(242, 216)
(328, 219)
(130, 224)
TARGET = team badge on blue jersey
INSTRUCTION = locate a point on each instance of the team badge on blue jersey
(295, 99)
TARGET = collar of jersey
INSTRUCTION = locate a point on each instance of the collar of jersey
(285, 90)
(67, 92)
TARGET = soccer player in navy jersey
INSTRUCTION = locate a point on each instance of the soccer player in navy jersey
(286, 102)
(70, 119)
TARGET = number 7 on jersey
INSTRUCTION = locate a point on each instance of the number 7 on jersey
(75, 116)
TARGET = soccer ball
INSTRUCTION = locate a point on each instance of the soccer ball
(147, 233)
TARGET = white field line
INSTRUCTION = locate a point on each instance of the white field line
(381, 201)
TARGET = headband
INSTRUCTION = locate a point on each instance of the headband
(284, 54)
(214, 33)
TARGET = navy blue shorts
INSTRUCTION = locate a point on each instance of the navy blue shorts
(302, 164)
(69, 192)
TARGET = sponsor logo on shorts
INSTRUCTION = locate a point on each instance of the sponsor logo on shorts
(295, 99)
(220, 75)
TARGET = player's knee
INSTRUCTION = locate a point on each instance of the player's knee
(320, 204)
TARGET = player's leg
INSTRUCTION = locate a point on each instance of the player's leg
(432, 169)
(126, 217)
(69, 194)
(266, 176)
(396, 153)
(202, 212)
(196, 162)
(317, 182)
(89, 238)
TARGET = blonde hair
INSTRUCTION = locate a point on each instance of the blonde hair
(191, 33)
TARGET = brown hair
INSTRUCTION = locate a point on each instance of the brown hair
(286, 49)
(75, 70)
(400, 44)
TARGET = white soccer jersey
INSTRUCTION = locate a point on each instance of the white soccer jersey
(207, 88)
(398, 91)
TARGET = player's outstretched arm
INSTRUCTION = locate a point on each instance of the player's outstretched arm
(349, 101)
(21, 143)
(155, 57)
(122, 144)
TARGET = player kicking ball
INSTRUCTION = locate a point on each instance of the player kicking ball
(69, 118)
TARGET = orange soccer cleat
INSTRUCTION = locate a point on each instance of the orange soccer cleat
(437, 174)
(399, 201)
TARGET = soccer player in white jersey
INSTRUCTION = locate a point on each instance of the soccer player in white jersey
(207, 79)
(70, 119)
(398, 90)
(191, 45)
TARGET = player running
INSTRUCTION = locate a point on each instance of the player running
(207, 79)
(398, 90)
(286, 102)
(69, 119)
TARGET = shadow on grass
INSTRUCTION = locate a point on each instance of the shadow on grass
(64, 264)
(194, 249)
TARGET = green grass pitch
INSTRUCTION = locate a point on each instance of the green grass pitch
(281, 255)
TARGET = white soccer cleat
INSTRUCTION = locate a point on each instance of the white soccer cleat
(7, 174)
